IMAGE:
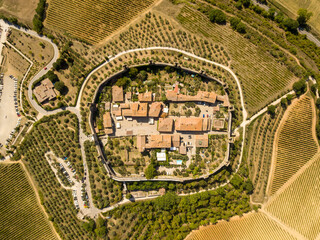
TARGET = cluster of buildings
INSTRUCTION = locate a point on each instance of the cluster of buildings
(45, 91)
(170, 129)
(169, 141)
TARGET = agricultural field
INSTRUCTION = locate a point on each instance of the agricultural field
(297, 205)
(251, 226)
(294, 5)
(58, 133)
(21, 215)
(295, 142)
(262, 76)
(260, 139)
(92, 21)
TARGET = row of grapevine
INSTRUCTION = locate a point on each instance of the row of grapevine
(92, 20)
(20, 215)
(262, 76)
(255, 226)
(298, 204)
(260, 141)
(295, 142)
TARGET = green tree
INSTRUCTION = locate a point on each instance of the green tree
(60, 86)
(303, 17)
(133, 72)
(123, 82)
(217, 16)
(290, 25)
(284, 102)
(318, 103)
(150, 171)
(272, 110)
(300, 87)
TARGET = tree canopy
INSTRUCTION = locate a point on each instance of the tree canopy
(60, 86)
(300, 87)
(217, 16)
(303, 17)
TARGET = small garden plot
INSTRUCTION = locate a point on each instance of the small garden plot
(125, 157)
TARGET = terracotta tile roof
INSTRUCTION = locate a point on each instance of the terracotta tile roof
(159, 141)
(193, 124)
(165, 125)
(141, 143)
(176, 140)
(145, 97)
(117, 94)
(183, 149)
(202, 140)
(45, 91)
(201, 96)
(136, 110)
(155, 109)
(107, 121)
(188, 124)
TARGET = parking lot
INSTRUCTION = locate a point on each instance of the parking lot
(8, 109)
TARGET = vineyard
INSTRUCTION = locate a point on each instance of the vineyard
(92, 20)
(259, 154)
(20, 215)
(59, 134)
(298, 204)
(295, 143)
(262, 76)
(255, 226)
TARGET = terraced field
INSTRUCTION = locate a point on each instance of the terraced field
(20, 215)
(92, 20)
(262, 77)
(298, 204)
(295, 142)
(261, 135)
(255, 226)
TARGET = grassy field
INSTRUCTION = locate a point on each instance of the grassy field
(298, 204)
(260, 140)
(252, 226)
(311, 5)
(21, 9)
(20, 215)
(295, 143)
(92, 20)
(263, 78)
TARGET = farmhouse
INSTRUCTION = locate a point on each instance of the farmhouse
(45, 91)
(193, 124)
(117, 94)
